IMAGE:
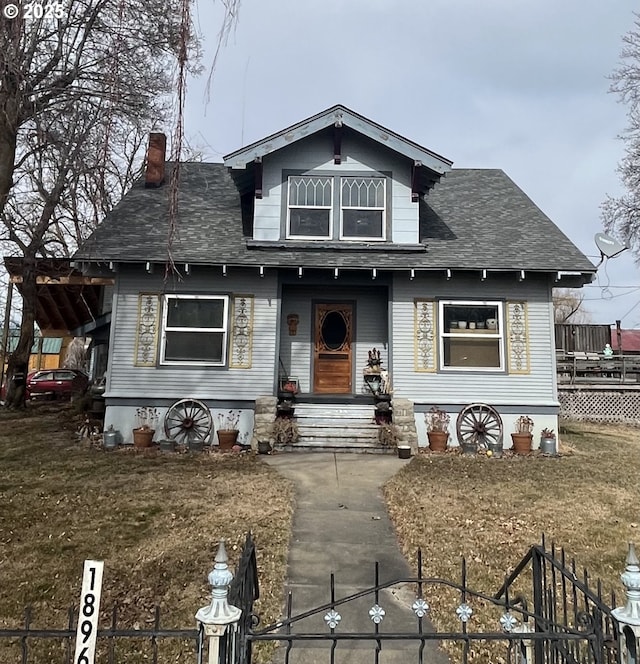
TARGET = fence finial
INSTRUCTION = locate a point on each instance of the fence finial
(219, 612)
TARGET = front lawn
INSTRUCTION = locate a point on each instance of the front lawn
(154, 519)
(491, 510)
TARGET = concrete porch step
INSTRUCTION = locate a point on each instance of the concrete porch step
(333, 433)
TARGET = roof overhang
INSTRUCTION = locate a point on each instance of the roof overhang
(66, 299)
(429, 165)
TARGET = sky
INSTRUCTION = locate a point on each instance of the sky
(511, 84)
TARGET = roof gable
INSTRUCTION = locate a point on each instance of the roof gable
(338, 116)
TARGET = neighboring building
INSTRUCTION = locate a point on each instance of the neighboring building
(629, 340)
(303, 251)
(46, 352)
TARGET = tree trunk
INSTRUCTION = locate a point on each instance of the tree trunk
(18, 364)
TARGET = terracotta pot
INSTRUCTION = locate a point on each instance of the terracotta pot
(438, 440)
(521, 442)
(143, 437)
(227, 438)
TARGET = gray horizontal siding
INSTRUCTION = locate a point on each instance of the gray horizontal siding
(537, 387)
(316, 153)
(127, 380)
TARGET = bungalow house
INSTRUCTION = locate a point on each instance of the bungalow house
(307, 249)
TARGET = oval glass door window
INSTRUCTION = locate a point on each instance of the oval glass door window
(334, 330)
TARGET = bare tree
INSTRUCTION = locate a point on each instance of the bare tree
(622, 215)
(77, 94)
(568, 306)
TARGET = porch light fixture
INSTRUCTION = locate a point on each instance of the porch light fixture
(299, 273)
(448, 274)
(224, 270)
(149, 267)
(484, 275)
(262, 270)
(111, 266)
(335, 273)
(374, 273)
(521, 277)
(187, 268)
(412, 274)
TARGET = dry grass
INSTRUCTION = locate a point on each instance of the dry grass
(492, 510)
(154, 519)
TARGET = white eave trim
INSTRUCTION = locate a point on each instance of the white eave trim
(427, 158)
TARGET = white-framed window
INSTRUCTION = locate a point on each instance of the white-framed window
(310, 207)
(194, 329)
(471, 335)
(362, 208)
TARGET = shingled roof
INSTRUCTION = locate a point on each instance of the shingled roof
(472, 219)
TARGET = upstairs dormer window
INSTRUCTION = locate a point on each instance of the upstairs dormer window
(333, 207)
(310, 213)
(363, 208)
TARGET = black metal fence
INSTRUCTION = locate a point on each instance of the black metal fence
(29, 644)
(542, 613)
(546, 611)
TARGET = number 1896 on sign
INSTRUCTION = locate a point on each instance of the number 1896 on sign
(43, 9)
(89, 608)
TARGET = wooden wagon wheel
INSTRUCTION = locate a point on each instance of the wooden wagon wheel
(480, 425)
(188, 420)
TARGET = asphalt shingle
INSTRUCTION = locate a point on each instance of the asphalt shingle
(472, 219)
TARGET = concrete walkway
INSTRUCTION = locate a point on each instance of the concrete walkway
(341, 525)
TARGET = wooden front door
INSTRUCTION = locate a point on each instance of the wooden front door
(332, 348)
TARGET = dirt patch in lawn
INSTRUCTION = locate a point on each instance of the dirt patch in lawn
(491, 510)
(155, 519)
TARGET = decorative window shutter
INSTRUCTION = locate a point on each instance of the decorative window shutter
(424, 335)
(146, 346)
(518, 338)
(241, 332)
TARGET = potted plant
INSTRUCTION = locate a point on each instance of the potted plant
(284, 431)
(228, 429)
(437, 421)
(548, 442)
(289, 387)
(146, 419)
(522, 436)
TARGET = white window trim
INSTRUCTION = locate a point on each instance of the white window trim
(224, 329)
(290, 236)
(363, 238)
(500, 334)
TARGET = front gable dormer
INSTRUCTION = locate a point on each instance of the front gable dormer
(335, 178)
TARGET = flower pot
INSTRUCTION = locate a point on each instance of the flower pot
(468, 448)
(548, 446)
(227, 438)
(167, 445)
(143, 437)
(438, 440)
(264, 447)
(495, 449)
(521, 442)
(404, 452)
(196, 445)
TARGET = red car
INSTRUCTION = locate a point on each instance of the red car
(56, 383)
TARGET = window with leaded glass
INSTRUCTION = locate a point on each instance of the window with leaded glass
(310, 207)
(194, 329)
(362, 203)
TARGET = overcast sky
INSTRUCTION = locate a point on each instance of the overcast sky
(519, 85)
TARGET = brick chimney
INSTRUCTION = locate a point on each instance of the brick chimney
(154, 176)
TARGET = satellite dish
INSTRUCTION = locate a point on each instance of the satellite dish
(609, 247)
